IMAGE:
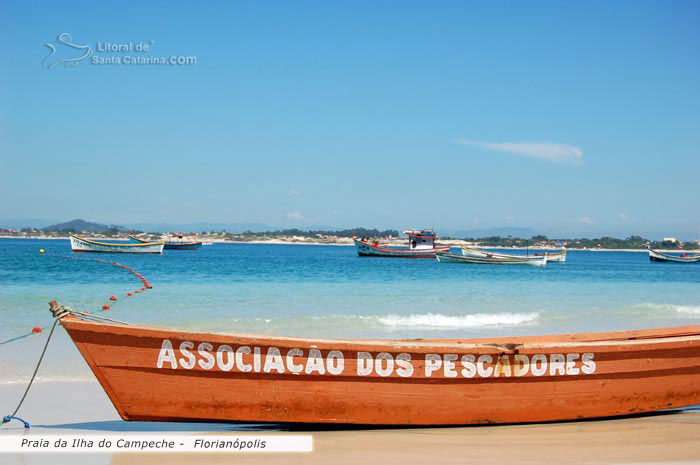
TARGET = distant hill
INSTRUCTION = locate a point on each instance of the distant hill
(82, 225)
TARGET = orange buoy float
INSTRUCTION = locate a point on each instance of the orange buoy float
(105, 307)
(36, 329)
(112, 298)
(129, 294)
(137, 291)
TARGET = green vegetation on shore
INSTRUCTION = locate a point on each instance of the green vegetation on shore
(336, 236)
(632, 242)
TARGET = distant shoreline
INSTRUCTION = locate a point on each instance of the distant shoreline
(347, 242)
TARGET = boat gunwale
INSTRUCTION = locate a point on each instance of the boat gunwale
(634, 337)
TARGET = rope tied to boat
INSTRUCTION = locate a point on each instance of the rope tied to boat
(8, 418)
(59, 312)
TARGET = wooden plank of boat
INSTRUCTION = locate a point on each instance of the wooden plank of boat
(446, 257)
(366, 249)
(655, 256)
(80, 244)
(158, 374)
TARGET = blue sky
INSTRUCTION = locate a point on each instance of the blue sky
(570, 118)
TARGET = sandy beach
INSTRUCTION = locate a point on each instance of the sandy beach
(345, 242)
(56, 408)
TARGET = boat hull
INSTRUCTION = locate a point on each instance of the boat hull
(488, 259)
(79, 244)
(183, 245)
(155, 374)
(655, 256)
(365, 249)
(551, 257)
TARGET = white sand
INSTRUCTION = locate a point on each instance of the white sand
(82, 407)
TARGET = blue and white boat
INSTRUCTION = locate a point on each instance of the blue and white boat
(80, 244)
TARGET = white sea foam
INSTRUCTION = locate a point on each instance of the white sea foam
(687, 309)
(683, 309)
(440, 321)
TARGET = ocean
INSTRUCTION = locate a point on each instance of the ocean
(328, 292)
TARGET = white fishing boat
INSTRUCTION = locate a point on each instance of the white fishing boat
(421, 244)
(80, 244)
(655, 256)
(491, 259)
(551, 256)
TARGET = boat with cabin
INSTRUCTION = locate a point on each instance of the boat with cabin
(421, 244)
(81, 244)
(164, 374)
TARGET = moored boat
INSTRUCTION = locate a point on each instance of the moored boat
(556, 256)
(655, 256)
(80, 244)
(486, 258)
(551, 256)
(174, 244)
(158, 374)
(421, 244)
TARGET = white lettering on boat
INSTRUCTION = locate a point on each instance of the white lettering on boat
(314, 361)
(588, 364)
(167, 354)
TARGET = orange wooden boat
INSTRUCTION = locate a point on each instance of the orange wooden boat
(156, 374)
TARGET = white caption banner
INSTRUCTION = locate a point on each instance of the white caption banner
(154, 443)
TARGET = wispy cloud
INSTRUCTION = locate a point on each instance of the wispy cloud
(295, 216)
(547, 151)
(586, 220)
(294, 192)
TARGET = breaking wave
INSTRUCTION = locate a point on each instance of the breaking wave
(682, 309)
(689, 309)
(439, 321)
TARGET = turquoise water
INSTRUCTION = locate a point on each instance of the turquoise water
(328, 291)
